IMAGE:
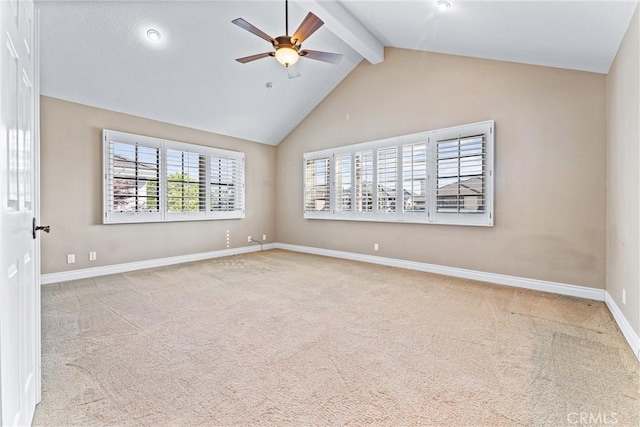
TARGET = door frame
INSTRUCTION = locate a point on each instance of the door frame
(36, 198)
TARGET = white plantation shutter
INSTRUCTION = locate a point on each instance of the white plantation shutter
(149, 180)
(363, 170)
(414, 178)
(226, 184)
(317, 185)
(443, 176)
(185, 189)
(132, 178)
(460, 172)
(464, 175)
(343, 180)
(387, 185)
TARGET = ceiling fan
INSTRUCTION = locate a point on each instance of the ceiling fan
(288, 48)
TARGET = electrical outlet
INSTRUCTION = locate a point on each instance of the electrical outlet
(264, 237)
(93, 256)
(71, 259)
(375, 246)
(249, 239)
(624, 296)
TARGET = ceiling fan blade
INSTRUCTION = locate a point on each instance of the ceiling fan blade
(254, 57)
(332, 58)
(244, 24)
(309, 26)
(293, 71)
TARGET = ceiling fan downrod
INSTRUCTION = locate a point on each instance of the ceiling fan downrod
(286, 18)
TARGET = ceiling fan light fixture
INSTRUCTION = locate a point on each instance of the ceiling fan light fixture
(287, 55)
(443, 5)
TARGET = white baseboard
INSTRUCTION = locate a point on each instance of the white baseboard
(501, 279)
(627, 330)
(141, 265)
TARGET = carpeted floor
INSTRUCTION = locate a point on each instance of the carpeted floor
(281, 338)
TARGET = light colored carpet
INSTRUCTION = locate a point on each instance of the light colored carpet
(281, 338)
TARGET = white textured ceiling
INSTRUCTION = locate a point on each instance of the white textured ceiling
(96, 53)
(579, 35)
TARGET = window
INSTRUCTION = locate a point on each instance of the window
(343, 183)
(443, 176)
(461, 175)
(387, 179)
(414, 177)
(186, 189)
(149, 180)
(226, 193)
(364, 181)
(317, 185)
(132, 184)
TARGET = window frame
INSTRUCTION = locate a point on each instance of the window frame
(430, 215)
(163, 214)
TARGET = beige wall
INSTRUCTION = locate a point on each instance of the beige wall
(550, 163)
(623, 179)
(71, 192)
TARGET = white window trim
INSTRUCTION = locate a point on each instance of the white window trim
(430, 216)
(164, 215)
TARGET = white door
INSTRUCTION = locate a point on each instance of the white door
(19, 282)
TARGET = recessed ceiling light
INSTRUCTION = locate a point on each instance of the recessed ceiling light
(153, 35)
(443, 5)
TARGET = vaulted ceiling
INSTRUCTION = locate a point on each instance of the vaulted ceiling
(97, 52)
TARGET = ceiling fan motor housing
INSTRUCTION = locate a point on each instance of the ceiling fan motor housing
(287, 53)
(285, 41)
